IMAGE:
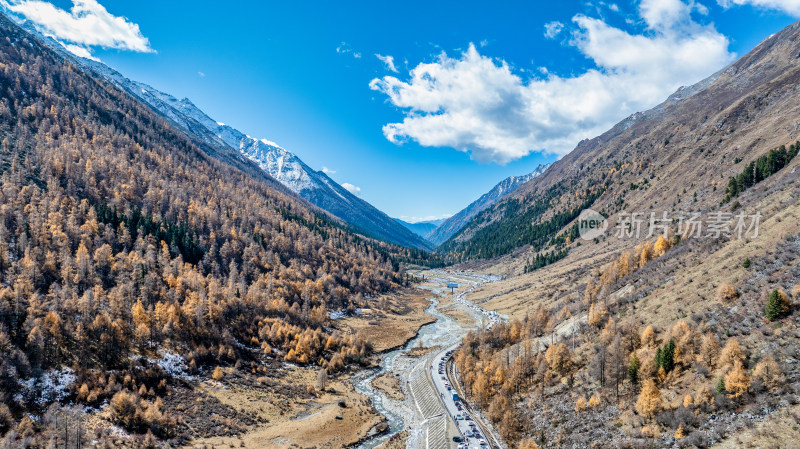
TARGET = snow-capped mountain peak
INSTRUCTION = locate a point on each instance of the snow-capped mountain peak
(281, 164)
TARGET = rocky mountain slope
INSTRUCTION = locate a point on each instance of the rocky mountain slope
(693, 141)
(286, 167)
(679, 269)
(504, 188)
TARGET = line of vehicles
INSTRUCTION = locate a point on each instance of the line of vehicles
(470, 436)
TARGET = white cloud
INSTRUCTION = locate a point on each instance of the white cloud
(201, 74)
(328, 171)
(552, 29)
(345, 49)
(87, 24)
(791, 7)
(388, 60)
(352, 189)
(663, 13)
(476, 104)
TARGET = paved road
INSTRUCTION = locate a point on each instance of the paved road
(471, 429)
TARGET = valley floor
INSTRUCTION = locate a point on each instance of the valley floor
(396, 405)
(339, 417)
(420, 411)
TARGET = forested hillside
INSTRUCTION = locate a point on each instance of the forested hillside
(120, 238)
(679, 155)
(504, 188)
(677, 326)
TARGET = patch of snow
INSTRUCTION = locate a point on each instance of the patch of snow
(51, 386)
(172, 364)
(337, 314)
(284, 166)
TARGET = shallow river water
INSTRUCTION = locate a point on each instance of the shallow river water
(445, 331)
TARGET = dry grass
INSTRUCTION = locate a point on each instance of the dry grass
(681, 285)
(320, 422)
(391, 385)
(395, 323)
(779, 431)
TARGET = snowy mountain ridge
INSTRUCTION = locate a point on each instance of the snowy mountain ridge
(281, 164)
(273, 159)
(453, 224)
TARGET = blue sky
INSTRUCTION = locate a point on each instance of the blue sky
(496, 89)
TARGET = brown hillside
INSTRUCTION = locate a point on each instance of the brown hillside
(602, 296)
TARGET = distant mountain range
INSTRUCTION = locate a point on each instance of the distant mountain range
(421, 228)
(284, 166)
(452, 225)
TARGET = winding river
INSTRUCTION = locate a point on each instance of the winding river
(445, 331)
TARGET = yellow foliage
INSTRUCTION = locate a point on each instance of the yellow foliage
(727, 292)
(580, 404)
(83, 393)
(218, 374)
(661, 246)
(737, 382)
(650, 401)
(595, 315)
(768, 372)
(731, 353)
(677, 357)
(648, 366)
(594, 401)
(679, 434)
(688, 401)
(528, 443)
(646, 254)
(651, 431)
(679, 330)
(140, 315)
(557, 358)
(648, 337)
(625, 264)
(661, 375)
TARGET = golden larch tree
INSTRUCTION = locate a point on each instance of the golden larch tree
(648, 337)
(662, 246)
(731, 353)
(769, 373)
(737, 382)
(726, 292)
(650, 401)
